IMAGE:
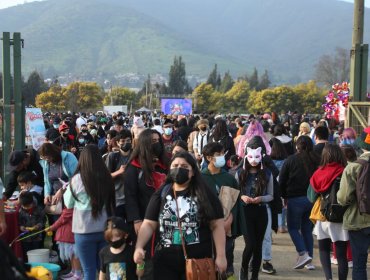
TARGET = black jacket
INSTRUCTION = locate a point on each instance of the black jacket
(34, 167)
(137, 192)
(294, 178)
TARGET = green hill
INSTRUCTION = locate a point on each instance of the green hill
(88, 37)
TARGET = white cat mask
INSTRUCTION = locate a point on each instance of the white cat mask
(254, 156)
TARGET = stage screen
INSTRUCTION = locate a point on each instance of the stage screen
(176, 106)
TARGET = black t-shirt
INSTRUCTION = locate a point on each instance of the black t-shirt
(118, 266)
(197, 236)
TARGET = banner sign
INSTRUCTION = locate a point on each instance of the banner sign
(35, 128)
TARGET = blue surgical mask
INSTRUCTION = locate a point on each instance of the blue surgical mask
(220, 161)
(56, 126)
(81, 140)
(347, 141)
(168, 131)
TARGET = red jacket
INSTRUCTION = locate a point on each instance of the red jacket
(63, 226)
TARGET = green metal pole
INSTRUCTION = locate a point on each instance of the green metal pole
(364, 64)
(19, 114)
(357, 40)
(6, 146)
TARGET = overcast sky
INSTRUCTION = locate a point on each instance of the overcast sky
(8, 3)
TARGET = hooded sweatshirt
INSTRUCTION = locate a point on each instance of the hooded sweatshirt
(324, 177)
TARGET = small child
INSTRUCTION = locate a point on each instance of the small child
(116, 259)
(24, 180)
(234, 164)
(65, 241)
(31, 219)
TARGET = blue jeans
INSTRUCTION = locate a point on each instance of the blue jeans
(267, 240)
(88, 246)
(360, 242)
(282, 218)
(299, 224)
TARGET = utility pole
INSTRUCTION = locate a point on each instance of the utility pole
(19, 110)
(359, 55)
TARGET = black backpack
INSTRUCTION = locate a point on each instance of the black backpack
(330, 208)
(363, 187)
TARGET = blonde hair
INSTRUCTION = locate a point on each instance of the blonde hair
(306, 126)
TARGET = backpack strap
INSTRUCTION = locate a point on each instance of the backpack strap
(362, 161)
(165, 190)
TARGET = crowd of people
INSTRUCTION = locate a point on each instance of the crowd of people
(133, 196)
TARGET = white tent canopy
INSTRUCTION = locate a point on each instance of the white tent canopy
(144, 109)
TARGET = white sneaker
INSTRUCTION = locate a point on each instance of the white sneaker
(310, 266)
(302, 261)
(350, 264)
(333, 260)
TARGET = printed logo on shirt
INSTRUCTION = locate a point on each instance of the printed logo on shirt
(117, 271)
(170, 233)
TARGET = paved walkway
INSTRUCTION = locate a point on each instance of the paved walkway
(283, 260)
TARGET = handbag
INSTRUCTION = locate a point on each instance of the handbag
(316, 214)
(55, 209)
(195, 269)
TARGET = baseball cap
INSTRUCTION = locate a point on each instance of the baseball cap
(118, 223)
(63, 127)
(15, 158)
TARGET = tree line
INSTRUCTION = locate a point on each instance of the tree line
(221, 93)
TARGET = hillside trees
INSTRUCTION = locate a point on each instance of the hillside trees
(120, 96)
(214, 78)
(51, 100)
(236, 98)
(77, 96)
(35, 84)
(302, 98)
(332, 69)
(177, 84)
(227, 82)
(200, 97)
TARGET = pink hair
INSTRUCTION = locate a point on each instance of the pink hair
(349, 133)
(254, 129)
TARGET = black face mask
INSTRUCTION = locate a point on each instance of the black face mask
(179, 175)
(203, 128)
(157, 149)
(126, 147)
(118, 243)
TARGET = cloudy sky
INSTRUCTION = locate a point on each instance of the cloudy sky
(8, 3)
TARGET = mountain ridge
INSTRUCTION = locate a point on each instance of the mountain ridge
(88, 37)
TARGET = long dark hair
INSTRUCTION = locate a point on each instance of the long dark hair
(278, 151)
(261, 183)
(97, 180)
(220, 130)
(261, 179)
(305, 152)
(197, 188)
(143, 152)
(332, 153)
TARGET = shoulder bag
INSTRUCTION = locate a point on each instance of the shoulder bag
(195, 269)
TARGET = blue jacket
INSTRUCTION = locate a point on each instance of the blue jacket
(69, 165)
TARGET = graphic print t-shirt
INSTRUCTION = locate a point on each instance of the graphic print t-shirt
(197, 237)
(118, 266)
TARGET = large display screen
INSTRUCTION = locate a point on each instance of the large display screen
(176, 106)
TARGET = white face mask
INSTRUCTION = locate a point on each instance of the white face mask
(220, 161)
(254, 156)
